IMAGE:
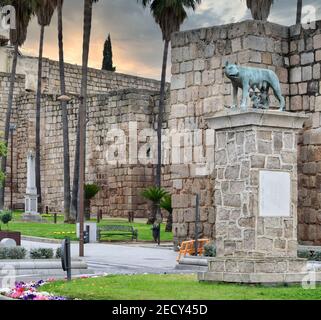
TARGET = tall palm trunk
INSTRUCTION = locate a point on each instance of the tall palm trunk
(8, 118)
(74, 198)
(64, 112)
(82, 118)
(299, 12)
(260, 9)
(158, 216)
(38, 116)
(161, 115)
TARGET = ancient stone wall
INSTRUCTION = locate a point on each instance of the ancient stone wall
(113, 119)
(98, 81)
(305, 93)
(199, 89)
(4, 87)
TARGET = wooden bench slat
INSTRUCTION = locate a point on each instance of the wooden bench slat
(110, 230)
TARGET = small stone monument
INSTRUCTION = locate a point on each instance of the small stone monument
(256, 191)
(31, 198)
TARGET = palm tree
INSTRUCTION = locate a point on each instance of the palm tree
(64, 112)
(299, 12)
(169, 15)
(155, 195)
(44, 11)
(88, 8)
(24, 12)
(166, 204)
(77, 200)
(260, 9)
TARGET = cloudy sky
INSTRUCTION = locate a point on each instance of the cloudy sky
(137, 42)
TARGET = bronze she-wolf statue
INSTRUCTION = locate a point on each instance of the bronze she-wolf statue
(256, 79)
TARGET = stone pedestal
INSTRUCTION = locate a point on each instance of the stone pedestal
(256, 197)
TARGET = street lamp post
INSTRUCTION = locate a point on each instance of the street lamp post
(82, 124)
(12, 129)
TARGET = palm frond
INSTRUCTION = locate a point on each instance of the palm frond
(169, 14)
(166, 203)
(154, 194)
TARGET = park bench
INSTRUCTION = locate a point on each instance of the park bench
(104, 232)
(188, 247)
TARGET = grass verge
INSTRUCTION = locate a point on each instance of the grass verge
(172, 287)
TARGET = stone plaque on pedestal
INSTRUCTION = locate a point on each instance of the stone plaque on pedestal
(275, 194)
(256, 197)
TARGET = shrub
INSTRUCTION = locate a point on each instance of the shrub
(41, 253)
(6, 217)
(305, 254)
(311, 255)
(3, 152)
(17, 253)
(210, 250)
(3, 253)
(316, 256)
(58, 253)
(91, 190)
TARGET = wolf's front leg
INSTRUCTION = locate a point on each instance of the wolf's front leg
(235, 91)
(245, 96)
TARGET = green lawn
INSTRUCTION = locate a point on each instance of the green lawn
(49, 229)
(172, 287)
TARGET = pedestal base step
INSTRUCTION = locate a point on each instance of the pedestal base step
(261, 278)
(269, 270)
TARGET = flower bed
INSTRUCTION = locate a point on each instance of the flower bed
(30, 291)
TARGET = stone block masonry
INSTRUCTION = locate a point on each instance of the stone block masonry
(200, 89)
(120, 181)
(98, 81)
(114, 101)
(255, 244)
(305, 95)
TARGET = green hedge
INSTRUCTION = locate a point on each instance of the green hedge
(42, 253)
(16, 253)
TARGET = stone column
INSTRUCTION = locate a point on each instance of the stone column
(31, 198)
(256, 197)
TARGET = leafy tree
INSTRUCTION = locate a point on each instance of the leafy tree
(24, 12)
(108, 56)
(169, 15)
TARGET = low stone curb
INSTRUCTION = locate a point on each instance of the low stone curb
(44, 240)
(41, 264)
(193, 264)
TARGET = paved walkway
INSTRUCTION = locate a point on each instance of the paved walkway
(121, 259)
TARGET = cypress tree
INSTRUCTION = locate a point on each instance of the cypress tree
(108, 56)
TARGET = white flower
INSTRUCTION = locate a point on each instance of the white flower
(5, 291)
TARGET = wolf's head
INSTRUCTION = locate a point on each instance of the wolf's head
(231, 70)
